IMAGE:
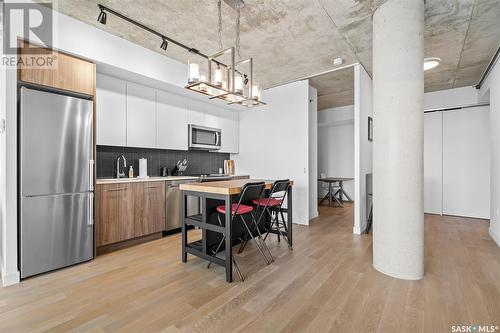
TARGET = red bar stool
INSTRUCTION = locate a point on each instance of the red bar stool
(249, 192)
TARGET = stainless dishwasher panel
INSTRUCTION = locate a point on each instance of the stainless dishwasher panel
(173, 205)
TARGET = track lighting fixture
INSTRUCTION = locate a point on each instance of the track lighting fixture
(164, 44)
(219, 80)
(102, 16)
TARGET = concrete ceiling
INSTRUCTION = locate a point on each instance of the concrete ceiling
(335, 89)
(295, 39)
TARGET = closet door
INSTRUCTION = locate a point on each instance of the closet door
(433, 152)
(466, 162)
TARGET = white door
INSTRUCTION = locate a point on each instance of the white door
(433, 167)
(111, 112)
(141, 116)
(171, 121)
(466, 162)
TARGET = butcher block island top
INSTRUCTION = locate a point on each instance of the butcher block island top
(226, 187)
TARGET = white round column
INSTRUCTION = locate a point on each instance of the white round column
(398, 92)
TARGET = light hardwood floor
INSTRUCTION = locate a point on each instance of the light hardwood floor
(326, 284)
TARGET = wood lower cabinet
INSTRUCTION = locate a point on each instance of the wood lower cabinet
(114, 213)
(149, 208)
(129, 210)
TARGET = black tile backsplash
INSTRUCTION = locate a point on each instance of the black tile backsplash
(199, 162)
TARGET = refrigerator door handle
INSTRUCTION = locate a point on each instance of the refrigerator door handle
(91, 175)
(91, 210)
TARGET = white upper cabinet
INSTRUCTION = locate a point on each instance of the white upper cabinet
(227, 121)
(171, 121)
(111, 111)
(141, 116)
(133, 115)
(196, 112)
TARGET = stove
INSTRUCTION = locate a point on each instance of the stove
(213, 177)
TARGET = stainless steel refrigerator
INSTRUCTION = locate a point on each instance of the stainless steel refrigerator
(55, 181)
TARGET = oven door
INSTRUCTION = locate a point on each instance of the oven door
(204, 137)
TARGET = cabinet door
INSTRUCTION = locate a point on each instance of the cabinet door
(466, 162)
(115, 213)
(141, 116)
(227, 121)
(230, 129)
(149, 208)
(196, 112)
(171, 121)
(111, 112)
(71, 73)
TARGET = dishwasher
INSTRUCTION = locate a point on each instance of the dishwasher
(173, 197)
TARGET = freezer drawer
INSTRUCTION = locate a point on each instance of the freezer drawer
(56, 231)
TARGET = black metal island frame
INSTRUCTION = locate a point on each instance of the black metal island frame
(214, 194)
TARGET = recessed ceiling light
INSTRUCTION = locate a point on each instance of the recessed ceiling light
(430, 63)
(338, 61)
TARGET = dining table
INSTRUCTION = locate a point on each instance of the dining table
(213, 194)
(331, 195)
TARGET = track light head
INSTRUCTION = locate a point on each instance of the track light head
(164, 44)
(102, 17)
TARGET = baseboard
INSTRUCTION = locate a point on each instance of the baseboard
(359, 230)
(495, 237)
(398, 276)
(10, 279)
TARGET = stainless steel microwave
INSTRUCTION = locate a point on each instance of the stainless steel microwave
(207, 138)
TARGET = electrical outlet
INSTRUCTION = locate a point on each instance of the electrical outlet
(2, 126)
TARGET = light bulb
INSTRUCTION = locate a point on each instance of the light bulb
(194, 72)
(218, 77)
(238, 84)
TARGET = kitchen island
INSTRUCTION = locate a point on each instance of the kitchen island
(212, 195)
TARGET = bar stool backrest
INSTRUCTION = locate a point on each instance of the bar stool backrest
(280, 189)
(251, 191)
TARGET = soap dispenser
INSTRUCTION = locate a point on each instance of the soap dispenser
(131, 172)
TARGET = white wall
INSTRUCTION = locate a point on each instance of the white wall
(336, 146)
(450, 98)
(363, 148)
(313, 152)
(3, 157)
(274, 142)
(491, 90)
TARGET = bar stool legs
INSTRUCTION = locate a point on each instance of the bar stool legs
(214, 253)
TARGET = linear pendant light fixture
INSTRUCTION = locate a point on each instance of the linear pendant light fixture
(221, 81)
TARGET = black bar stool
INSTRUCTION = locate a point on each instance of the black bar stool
(249, 192)
(272, 205)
